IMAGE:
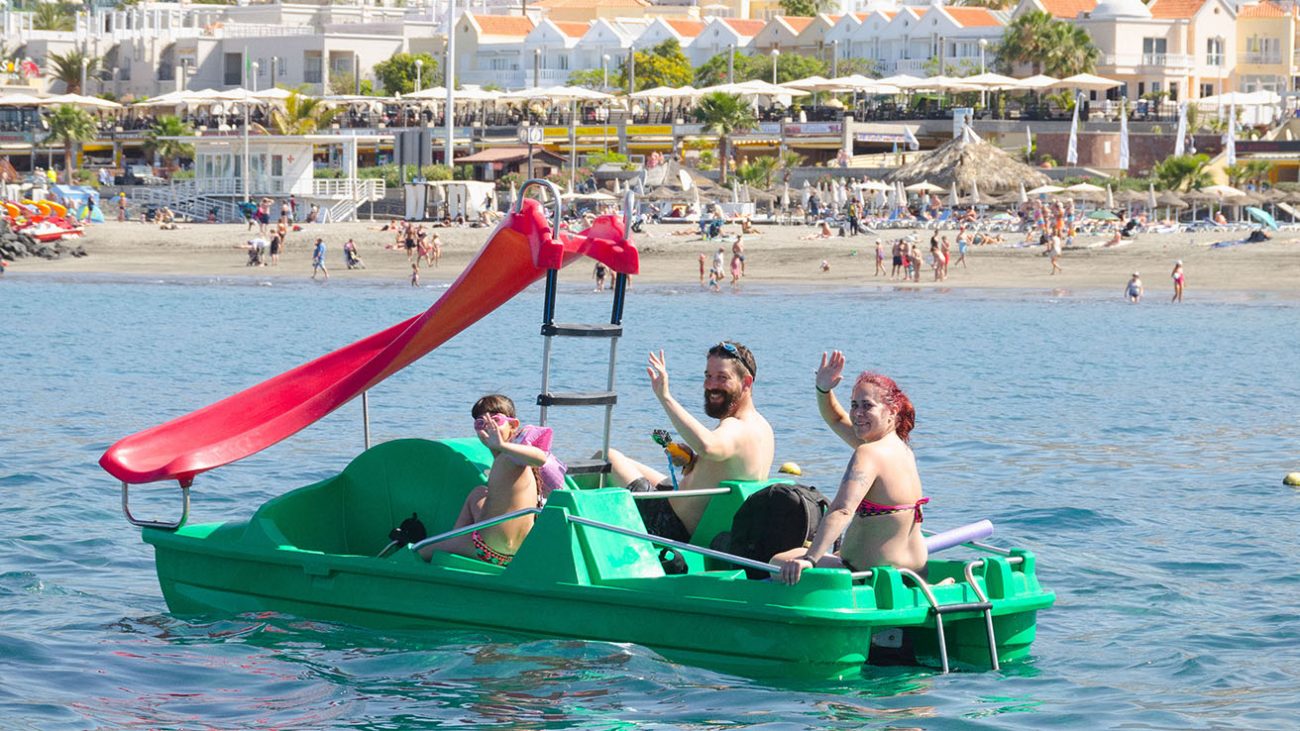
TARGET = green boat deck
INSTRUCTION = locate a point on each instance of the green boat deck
(312, 552)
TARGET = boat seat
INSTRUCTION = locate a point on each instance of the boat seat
(353, 512)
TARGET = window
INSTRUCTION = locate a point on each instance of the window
(1214, 52)
(234, 69)
(311, 67)
(1153, 51)
(1207, 90)
(1263, 50)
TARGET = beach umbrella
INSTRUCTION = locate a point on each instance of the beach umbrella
(1038, 82)
(785, 196)
(1087, 82)
(953, 198)
(514, 194)
(1181, 135)
(1261, 215)
(1219, 192)
(1084, 188)
(1022, 197)
(974, 193)
(1046, 190)
(923, 187)
(1110, 197)
(804, 194)
(1151, 196)
(695, 197)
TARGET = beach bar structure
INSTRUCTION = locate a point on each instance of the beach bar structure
(229, 169)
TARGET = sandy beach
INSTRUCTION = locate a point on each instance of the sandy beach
(778, 255)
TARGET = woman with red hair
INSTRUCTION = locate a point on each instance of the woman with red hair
(879, 499)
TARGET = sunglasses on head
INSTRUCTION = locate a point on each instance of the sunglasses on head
(734, 352)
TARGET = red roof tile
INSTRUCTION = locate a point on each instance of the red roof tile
(746, 28)
(572, 30)
(686, 28)
(1067, 8)
(973, 17)
(504, 25)
(796, 23)
(1264, 10)
(1174, 9)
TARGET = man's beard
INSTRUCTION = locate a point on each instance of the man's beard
(722, 408)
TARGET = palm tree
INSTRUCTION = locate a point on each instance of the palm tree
(1024, 41)
(789, 161)
(162, 140)
(1069, 50)
(70, 125)
(302, 115)
(1177, 171)
(724, 114)
(52, 16)
(68, 68)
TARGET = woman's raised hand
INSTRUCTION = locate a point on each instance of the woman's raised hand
(831, 371)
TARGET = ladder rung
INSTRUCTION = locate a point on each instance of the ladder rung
(579, 330)
(578, 398)
(963, 607)
(587, 467)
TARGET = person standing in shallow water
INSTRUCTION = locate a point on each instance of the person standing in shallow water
(1179, 280)
(1133, 290)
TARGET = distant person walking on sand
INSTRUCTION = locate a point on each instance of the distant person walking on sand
(703, 258)
(738, 253)
(1133, 290)
(600, 276)
(415, 274)
(1179, 279)
(318, 259)
(880, 258)
(1054, 251)
(121, 207)
(898, 259)
(435, 248)
(963, 240)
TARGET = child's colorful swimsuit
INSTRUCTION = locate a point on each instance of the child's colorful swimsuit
(485, 553)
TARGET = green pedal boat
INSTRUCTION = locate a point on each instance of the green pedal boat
(583, 573)
(587, 569)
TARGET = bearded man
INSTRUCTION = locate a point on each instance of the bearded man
(740, 447)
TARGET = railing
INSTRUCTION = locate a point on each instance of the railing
(1260, 58)
(913, 66)
(255, 30)
(366, 189)
(1160, 60)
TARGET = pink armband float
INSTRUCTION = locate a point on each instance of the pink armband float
(553, 471)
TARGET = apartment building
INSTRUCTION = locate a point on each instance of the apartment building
(1266, 47)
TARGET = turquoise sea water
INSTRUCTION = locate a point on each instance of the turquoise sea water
(1138, 450)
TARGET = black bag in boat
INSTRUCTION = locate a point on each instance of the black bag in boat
(772, 520)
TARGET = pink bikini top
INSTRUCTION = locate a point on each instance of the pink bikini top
(867, 509)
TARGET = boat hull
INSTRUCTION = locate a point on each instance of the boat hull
(566, 581)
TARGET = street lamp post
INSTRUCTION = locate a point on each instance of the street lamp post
(776, 53)
(604, 67)
(85, 63)
(247, 155)
(835, 59)
(731, 64)
(984, 43)
(537, 67)
(419, 67)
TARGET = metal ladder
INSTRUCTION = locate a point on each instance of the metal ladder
(983, 605)
(613, 330)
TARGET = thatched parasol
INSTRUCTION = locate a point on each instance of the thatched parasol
(664, 193)
(1168, 198)
(756, 195)
(969, 162)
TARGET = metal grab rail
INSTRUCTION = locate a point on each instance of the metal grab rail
(185, 510)
(988, 609)
(678, 545)
(457, 532)
(938, 617)
(666, 494)
(559, 202)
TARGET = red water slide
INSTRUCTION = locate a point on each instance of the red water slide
(518, 253)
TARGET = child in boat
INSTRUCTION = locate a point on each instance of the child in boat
(879, 499)
(523, 474)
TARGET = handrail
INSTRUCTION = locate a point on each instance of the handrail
(938, 617)
(185, 510)
(456, 532)
(678, 545)
(554, 190)
(665, 494)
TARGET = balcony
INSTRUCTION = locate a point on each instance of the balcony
(1171, 61)
(1260, 59)
(911, 66)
